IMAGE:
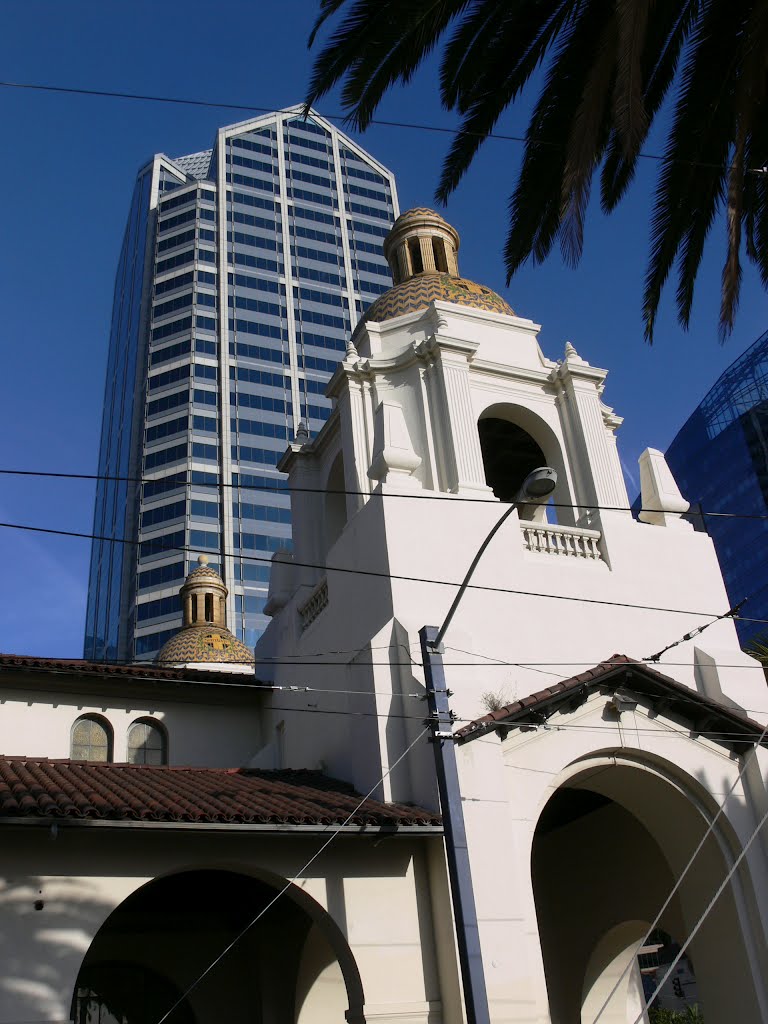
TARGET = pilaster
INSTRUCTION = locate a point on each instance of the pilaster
(457, 439)
(355, 441)
(598, 475)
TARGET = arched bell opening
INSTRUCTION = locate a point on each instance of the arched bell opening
(608, 848)
(291, 966)
(335, 502)
(514, 441)
(509, 455)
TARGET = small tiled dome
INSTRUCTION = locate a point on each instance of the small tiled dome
(204, 636)
(417, 292)
(422, 252)
(204, 643)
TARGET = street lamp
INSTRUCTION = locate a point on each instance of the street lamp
(536, 488)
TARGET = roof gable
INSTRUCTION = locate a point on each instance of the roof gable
(728, 726)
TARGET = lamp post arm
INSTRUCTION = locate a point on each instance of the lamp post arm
(465, 583)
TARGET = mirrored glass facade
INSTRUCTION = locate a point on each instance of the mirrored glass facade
(242, 273)
(720, 461)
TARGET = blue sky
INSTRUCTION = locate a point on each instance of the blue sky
(66, 181)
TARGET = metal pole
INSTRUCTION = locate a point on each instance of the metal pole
(462, 893)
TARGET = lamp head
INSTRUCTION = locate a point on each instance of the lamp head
(537, 486)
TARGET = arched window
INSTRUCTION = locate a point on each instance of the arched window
(91, 739)
(147, 742)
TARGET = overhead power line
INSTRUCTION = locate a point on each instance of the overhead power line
(281, 488)
(721, 808)
(342, 118)
(381, 575)
(291, 881)
(730, 614)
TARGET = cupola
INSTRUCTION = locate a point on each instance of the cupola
(421, 242)
(422, 252)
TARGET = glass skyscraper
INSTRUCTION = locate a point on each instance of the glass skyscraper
(720, 461)
(242, 272)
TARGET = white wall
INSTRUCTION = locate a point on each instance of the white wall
(373, 892)
(39, 724)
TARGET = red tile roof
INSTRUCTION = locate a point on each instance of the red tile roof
(621, 666)
(137, 670)
(51, 789)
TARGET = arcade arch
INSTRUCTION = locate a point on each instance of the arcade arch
(293, 965)
(608, 847)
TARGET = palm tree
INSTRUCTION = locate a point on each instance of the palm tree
(610, 64)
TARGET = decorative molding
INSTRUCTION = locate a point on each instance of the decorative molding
(314, 605)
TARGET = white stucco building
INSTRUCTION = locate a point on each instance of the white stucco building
(585, 791)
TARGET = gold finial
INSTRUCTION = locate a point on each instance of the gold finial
(202, 559)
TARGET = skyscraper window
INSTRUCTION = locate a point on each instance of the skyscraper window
(274, 235)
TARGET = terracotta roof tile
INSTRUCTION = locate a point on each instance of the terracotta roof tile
(143, 670)
(41, 788)
(617, 662)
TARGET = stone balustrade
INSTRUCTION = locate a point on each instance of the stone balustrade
(566, 541)
(314, 605)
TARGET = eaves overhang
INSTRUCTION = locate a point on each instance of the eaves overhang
(20, 672)
(726, 726)
(54, 825)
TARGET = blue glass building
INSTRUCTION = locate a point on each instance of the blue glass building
(242, 272)
(720, 460)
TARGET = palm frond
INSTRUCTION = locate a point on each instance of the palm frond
(388, 61)
(327, 9)
(687, 195)
(505, 46)
(609, 69)
(494, 86)
(667, 31)
(748, 101)
(630, 121)
(536, 206)
(379, 43)
(588, 135)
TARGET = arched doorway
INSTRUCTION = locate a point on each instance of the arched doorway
(609, 846)
(285, 969)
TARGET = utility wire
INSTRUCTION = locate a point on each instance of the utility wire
(701, 920)
(747, 760)
(110, 94)
(292, 881)
(714, 734)
(730, 614)
(343, 118)
(374, 573)
(281, 488)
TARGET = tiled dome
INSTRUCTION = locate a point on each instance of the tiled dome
(204, 642)
(417, 292)
(422, 252)
(203, 572)
(204, 636)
